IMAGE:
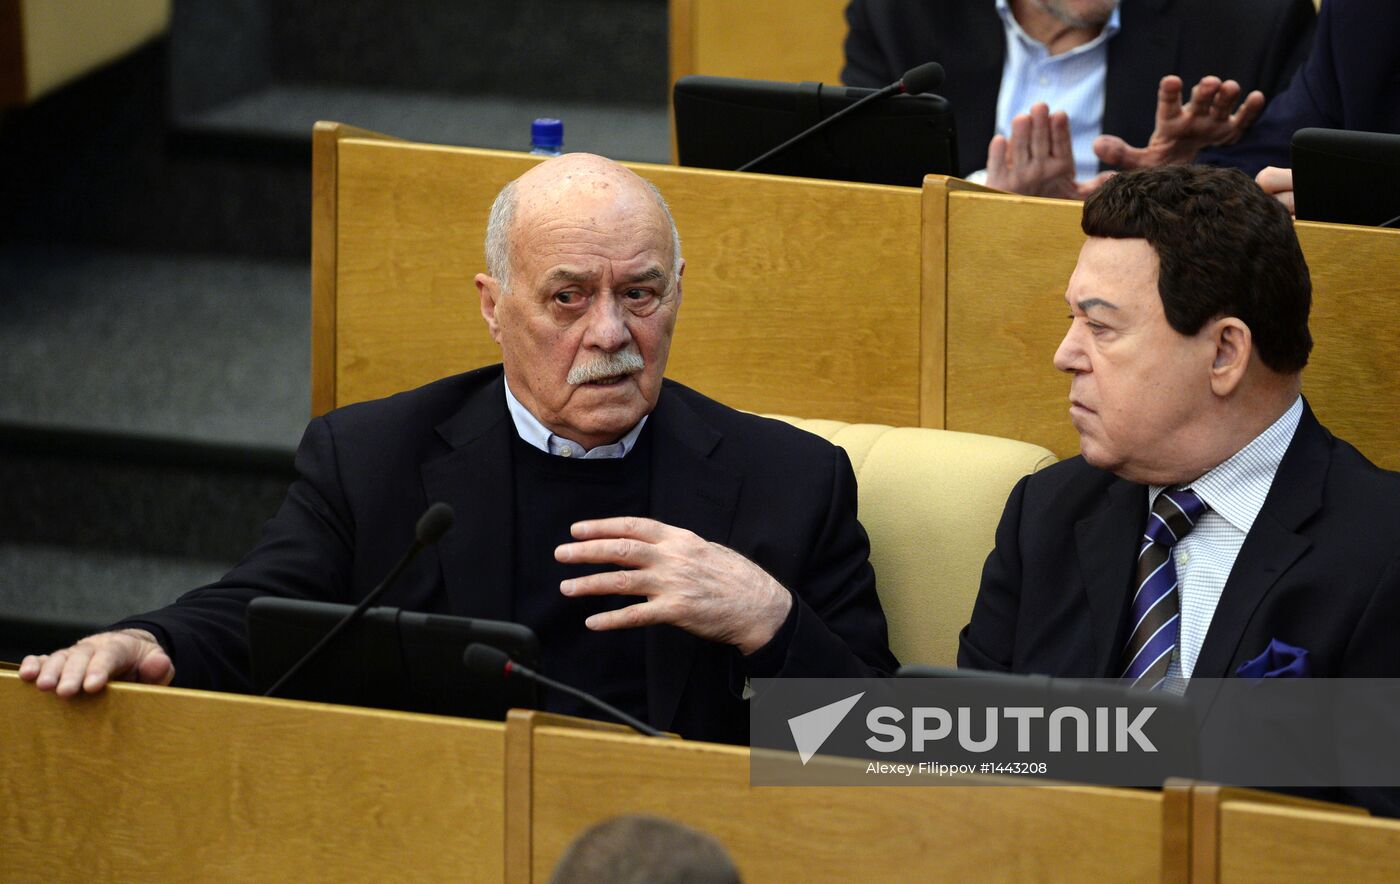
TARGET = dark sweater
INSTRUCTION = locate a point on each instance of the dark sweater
(551, 493)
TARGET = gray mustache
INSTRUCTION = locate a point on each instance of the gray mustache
(609, 365)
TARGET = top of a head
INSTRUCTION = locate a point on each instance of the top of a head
(556, 181)
(1224, 248)
(926, 76)
(434, 523)
(638, 848)
(485, 660)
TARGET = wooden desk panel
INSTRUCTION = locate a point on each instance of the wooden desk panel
(1007, 833)
(1268, 844)
(142, 783)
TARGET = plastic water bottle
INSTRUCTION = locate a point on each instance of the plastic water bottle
(547, 137)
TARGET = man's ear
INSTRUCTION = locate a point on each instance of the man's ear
(1234, 345)
(489, 290)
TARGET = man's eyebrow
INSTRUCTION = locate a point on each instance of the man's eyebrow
(1090, 303)
(560, 274)
(651, 273)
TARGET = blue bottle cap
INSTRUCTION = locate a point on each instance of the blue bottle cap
(547, 132)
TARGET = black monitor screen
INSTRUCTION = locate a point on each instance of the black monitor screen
(724, 122)
(1347, 177)
(389, 659)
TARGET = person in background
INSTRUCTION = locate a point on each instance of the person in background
(1350, 80)
(639, 849)
(1098, 62)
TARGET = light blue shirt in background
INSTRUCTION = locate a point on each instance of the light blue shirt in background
(1072, 81)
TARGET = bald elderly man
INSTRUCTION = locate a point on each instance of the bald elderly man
(663, 546)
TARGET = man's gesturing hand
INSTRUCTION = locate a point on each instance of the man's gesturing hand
(130, 654)
(1038, 158)
(1210, 117)
(704, 588)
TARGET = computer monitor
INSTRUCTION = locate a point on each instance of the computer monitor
(1347, 177)
(389, 659)
(724, 122)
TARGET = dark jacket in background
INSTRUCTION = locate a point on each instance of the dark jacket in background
(1257, 42)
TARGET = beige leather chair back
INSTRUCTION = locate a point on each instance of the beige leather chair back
(930, 501)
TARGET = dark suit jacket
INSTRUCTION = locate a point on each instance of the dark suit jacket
(782, 497)
(1320, 570)
(1351, 80)
(1257, 42)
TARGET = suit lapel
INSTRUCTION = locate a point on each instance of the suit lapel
(1271, 547)
(975, 45)
(688, 490)
(475, 479)
(1144, 49)
(1107, 544)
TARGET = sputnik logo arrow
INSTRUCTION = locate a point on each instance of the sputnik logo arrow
(811, 729)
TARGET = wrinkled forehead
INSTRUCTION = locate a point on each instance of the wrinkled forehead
(610, 210)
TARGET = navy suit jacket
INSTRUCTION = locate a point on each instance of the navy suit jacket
(784, 498)
(1351, 80)
(1320, 569)
(1257, 42)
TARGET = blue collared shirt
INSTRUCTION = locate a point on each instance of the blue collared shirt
(537, 435)
(1072, 81)
(1235, 492)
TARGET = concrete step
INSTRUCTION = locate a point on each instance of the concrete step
(208, 349)
(612, 52)
(95, 526)
(101, 167)
(63, 587)
(284, 114)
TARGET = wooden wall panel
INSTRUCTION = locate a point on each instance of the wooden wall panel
(790, 40)
(1009, 260)
(800, 296)
(1353, 377)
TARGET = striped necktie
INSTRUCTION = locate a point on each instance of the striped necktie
(1156, 604)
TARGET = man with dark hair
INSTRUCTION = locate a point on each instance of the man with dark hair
(1211, 526)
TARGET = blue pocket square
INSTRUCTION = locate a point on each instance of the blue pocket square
(1279, 660)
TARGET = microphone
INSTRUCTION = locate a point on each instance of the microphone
(926, 76)
(431, 526)
(485, 661)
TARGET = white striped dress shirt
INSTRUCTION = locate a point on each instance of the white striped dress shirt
(1235, 492)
